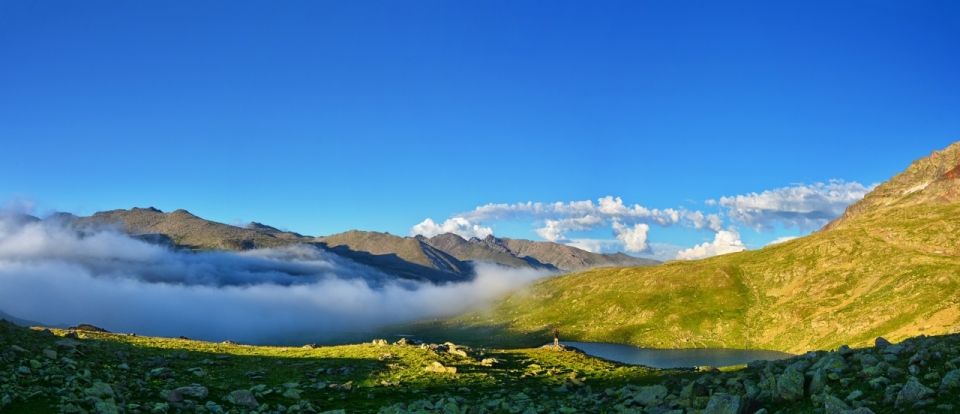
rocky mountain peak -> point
(931, 179)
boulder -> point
(243, 398)
(194, 391)
(650, 396)
(99, 390)
(790, 384)
(817, 383)
(439, 368)
(107, 406)
(880, 341)
(950, 381)
(912, 392)
(834, 405)
(722, 403)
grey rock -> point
(790, 384)
(817, 382)
(832, 363)
(194, 391)
(912, 392)
(893, 350)
(834, 405)
(950, 381)
(99, 390)
(721, 403)
(649, 396)
(868, 360)
(242, 398)
(880, 341)
(107, 406)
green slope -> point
(892, 269)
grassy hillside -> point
(99, 372)
(889, 269)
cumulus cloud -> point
(596, 245)
(725, 241)
(807, 207)
(456, 225)
(555, 220)
(55, 274)
(555, 230)
(634, 238)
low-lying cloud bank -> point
(54, 274)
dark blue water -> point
(675, 358)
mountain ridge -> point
(443, 258)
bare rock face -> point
(932, 179)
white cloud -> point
(554, 220)
(554, 230)
(634, 239)
(781, 240)
(53, 274)
(596, 245)
(807, 207)
(725, 241)
(456, 225)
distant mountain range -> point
(443, 258)
(890, 266)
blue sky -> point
(320, 117)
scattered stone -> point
(193, 391)
(107, 406)
(834, 405)
(18, 349)
(489, 362)
(722, 403)
(790, 384)
(912, 392)
(99, 390)
(950, 381)
(243, 398)
(438, 367)
(880, 341)
(650, 396)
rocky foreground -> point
(44, 371)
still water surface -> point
(675, 358)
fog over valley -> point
(55, 274)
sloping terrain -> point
(77, 371)
(476, 249)
(187, 230)
(568, 257)
(404, 256)
(522, 253)
(889, 267)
